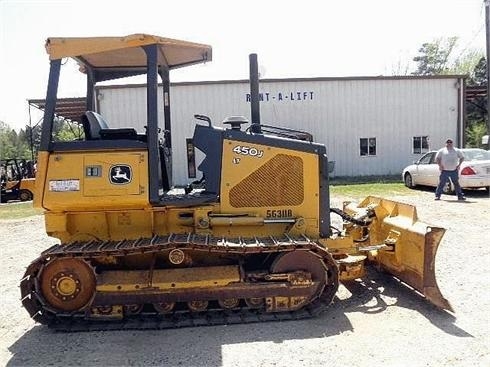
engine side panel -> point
(271, 182)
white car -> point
(474, 172)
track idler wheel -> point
(164, 307)
(133, 309)
(67, 284)
(255, 302)
(323, 271)
(229, 303)
(197, 306)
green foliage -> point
(33, 137)
(13, 144)
(474, 134)
(65, 130)
(25, 143)
(477, 70)
(470, 64)
(433, 58)
(355, 180)
(437, 57)
(476, 108)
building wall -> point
(337, 111)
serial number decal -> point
(250, 151)
(64, 185)
(279, 213)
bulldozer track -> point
(41, 312)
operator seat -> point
(92, 124)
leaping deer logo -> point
(120, 174)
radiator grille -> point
(279, 182)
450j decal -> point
(250, 151)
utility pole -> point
(487, 33)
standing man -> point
(449, 159)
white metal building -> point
(370, 125)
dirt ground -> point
(374, 322)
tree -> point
(474, 134)
(6, 146)
(437, 58)
(434, 57)
(33, 136)
(478, 73)
(474, 64)
(25, 143)
(476, 108)
(12, 144)
(66, 130)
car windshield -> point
(476, 154)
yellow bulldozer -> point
(253, 241)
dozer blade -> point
(411, 246)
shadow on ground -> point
(479, 193)
(368, 297)
(203, 345)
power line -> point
(476, 33)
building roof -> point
(68, 108)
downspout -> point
(461, 122)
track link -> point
(41, 312)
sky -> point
(302, 38)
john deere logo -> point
(120, 174)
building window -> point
(367, 146)
(420, 144)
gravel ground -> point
(374, 322)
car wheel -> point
(408, 180)
(448, 188)
(25, 195)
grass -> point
(370, 189)
(351, 180)
(18, 210)
(360, 187)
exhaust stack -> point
(254, 94)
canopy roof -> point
(127, 52)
